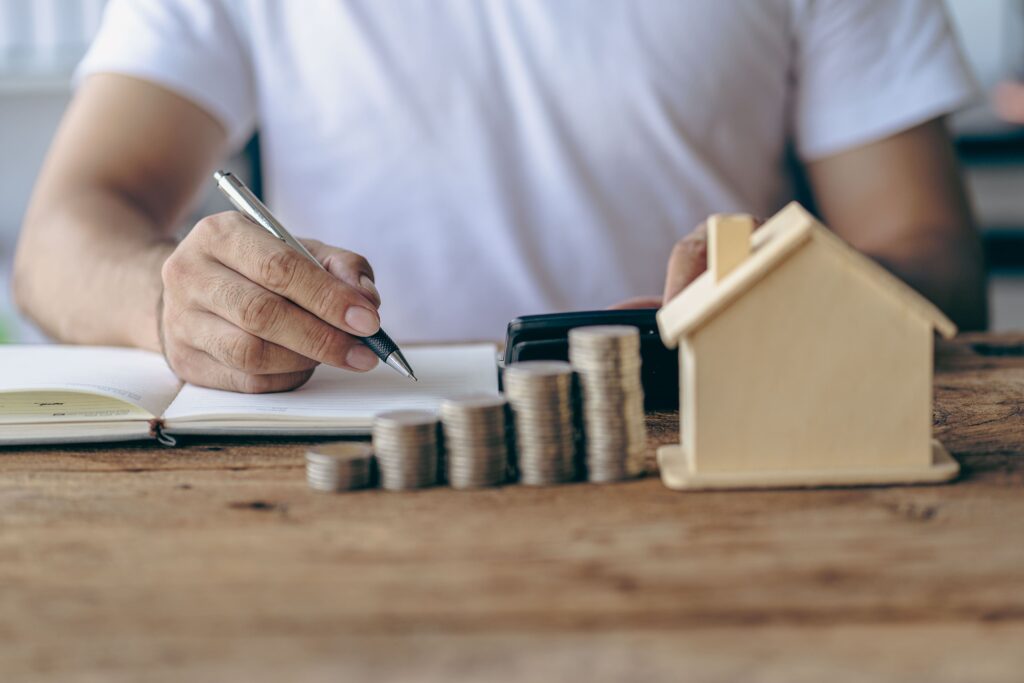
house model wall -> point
(802, 362)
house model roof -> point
(783, 235)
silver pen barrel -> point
(242, 198)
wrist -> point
(143, 324)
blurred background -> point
(42, 40)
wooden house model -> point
(802, 363)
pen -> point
(252, 208)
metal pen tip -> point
(397, 361)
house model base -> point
(676, 473)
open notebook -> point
(62, 394)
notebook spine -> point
(156, 430)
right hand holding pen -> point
(243, 311)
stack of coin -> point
(540, 394)
(475, 440)
(406, 445)
(607, 361)
(339, 466)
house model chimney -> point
(728, 242)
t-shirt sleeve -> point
(867, 69)
(194, 48)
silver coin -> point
(603, 335)
(539, 368)
(474, 403)
(339, 466)
(540, 394)
(405, 418)
(484, 421)
(608, 365)
(407, 449)
(475, 432)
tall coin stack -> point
(540, 394)
(607, 360)
(406, 445)
(339, 466)
(475, 440)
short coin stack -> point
(607, 360)
(475, 440)
(406, 445)
(540, 393)
(339, 466)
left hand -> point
(689, 258)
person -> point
(1008, 101)
(491, 158)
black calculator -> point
(546, 337)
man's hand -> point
(688, 260)
(243, 311)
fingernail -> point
(367, 284)
(361, 358)
(362, 320)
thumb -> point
(689, 259)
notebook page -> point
(138, 377)
(340, 396)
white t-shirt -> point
(493, 158)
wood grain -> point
(214, 562)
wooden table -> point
(215, 562)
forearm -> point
(87, 270)
(901, 201)
(952, 276)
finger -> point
(688, 260)
(198, 367)
(272, 264)
(275, 319)
(347, 266)
(234, 347)
(637, 302)
(1008, 100)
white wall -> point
(40, 41)
(27, 120)
(991, 33)
(985, 27)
